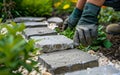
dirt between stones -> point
(114, 51)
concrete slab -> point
(103, 70)
(39, 31)
(29, 19)
(53, 43)
(67, 61)
(56, 20)
(35, 24)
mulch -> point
(114, 51)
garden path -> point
(58, 54)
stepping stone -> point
(53, 43)
(67, 61)
(29, 19)
(39, 31)
(35, 24)
(103, 70)
(56, 20)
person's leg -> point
(72, 20)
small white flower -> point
(52, 26)
(3, 31)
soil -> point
(114, 51)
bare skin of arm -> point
(96, 2)
(80, 4)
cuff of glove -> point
(74, 18)
(91, 9)
(89, 15)
(76, 12)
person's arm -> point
(86, 29)
(72, 20)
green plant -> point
(34, 7)
(108, 15)
(68, 32)
(100, 41)
(14, 49)
(7, 9)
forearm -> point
(80, 4)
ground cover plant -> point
(15, 50)
(105, 43)
(106, 16)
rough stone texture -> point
(53, 43)
(29, 19)
(39, 31)
(35, 24)
(67, 61)
(103, 70)
(56, 20)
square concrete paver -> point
(53, 43)
(103, 70)
(35, 24)
(39, 31)
(29, 19)
(67, 61)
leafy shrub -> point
(34, 7)
(14, 49)
(7, 9)
(100, 41)
(108, 15)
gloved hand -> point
(86, 29)
(72, 20)
(85, 34)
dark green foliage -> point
(16, 8)
(107, 44)
(108, 15)
(14, 49)
(100, 41)
(34, 7)
(7, 9)
(68, 32)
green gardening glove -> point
(86, 29)
(72, 20)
